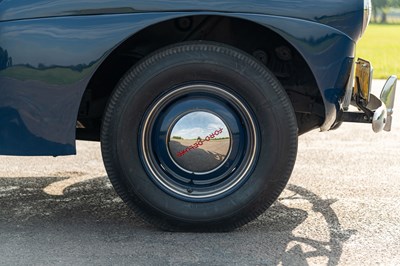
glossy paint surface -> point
(50, 62)
(342, 14)
(47, 62)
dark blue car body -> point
(52, 52)
(198, 105)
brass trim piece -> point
(363, 80)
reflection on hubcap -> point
(199, 142)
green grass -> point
(381, 46)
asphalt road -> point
(341, 206)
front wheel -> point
(199, 136)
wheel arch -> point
(264, 41)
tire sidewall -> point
(245, 78)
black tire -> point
(222, 82)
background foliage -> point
(381, 8)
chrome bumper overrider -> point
(382, 118)
(387, 97)
(376, 111)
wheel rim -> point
(199, 142)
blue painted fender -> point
(50, 61)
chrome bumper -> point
(382, 118)
(387, 97)
(376, 111)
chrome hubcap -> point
(199, 142)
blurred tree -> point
(383, 7)
(5, 60)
